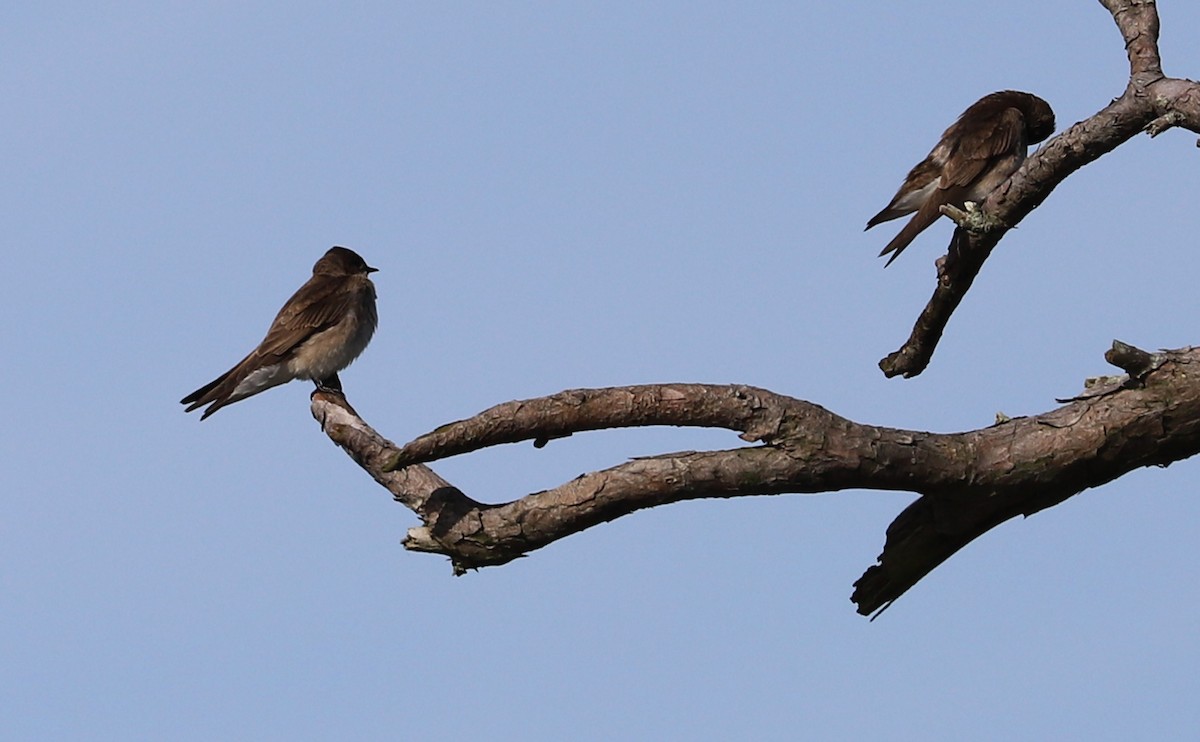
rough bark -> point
(969, 482)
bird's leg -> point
(330, 383)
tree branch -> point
(755, 413)
(969, 482)
(1151, 102)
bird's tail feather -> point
(217, 392)
(926, 215)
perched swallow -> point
(324, 326)
(976, 154)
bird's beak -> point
(372, 270)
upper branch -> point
(1150, 102)
(1008, 205)
(1137, 21)
(755, 413)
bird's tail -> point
(218, 392)
(926, 215)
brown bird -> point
(324, 326)
(979, 151)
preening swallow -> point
(979, 151)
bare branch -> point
(1009, 204)
(970, 482)
(1177, 103)
(1150, 102)
(411, 487)
(754, 412)
(1137, 21)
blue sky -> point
(560, 195)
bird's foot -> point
(972, 218)
(331, 384)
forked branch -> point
(969, 482)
